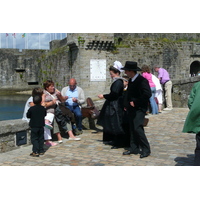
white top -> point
(27, 106)
(156, 81)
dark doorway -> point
(195, 68)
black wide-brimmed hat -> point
(131, 65)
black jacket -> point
(139, 92)
(36, 114)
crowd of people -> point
(132, 95)
(62, 114)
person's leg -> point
(134, 144)
(154, 106)
(168, 91)
(59, 137)
(197, 151)
(41, 140)
(70, 132)
(140, 134)
(47, 134)
(78, 116)
(47, 137)
(56, 130)
(34, 140)
(49, 120)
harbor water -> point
(12, 106)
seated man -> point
(74, 97)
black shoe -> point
(126, 148)
(34, 154)
(108, 142)
(143, 155)
(114, 147)
(130, 152)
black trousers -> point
(37, 139)
(138, 139)
(197, 151)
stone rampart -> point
(71, 57)
(181, 90)
(13, 134)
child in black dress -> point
(37, 114)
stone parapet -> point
(181, 90)
(13, 134)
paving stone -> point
(169, 146)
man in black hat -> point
(136, 103)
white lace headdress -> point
(118, 66)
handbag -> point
(90, 110)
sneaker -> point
(49, 126)
(54, 144)
(167, 109)
(76, 139)
(34, 154)
(51, 143)
(60, 141)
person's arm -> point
(63, 93)
(28, 114)
(116, 89)
(145, 92)
(60, 96)
(50, 103)
(81, 96)
(31, 104)
(160, 74)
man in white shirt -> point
(74, 98)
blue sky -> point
(30, 41)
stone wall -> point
(12, 132)
(174, 52)
(18, 69)
(181, 91)
(71, 57)
(8, 134)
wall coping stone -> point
(186, 80)
(12, 126)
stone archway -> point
(195, 68)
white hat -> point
(118, 66)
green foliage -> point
(21, 76)
(115, 51)
(48, 63)
(122, 46)
(81, 40)
(58, 51)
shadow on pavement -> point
(46, 147)
(185, 161)
(97, 130)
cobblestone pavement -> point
(169, 147)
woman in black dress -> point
(111, 115)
